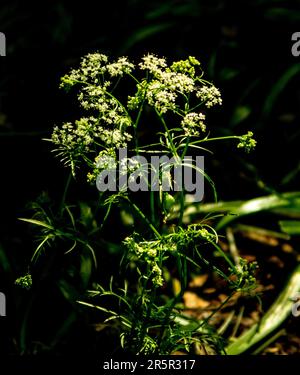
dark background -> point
(245, 49)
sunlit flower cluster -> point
(76, 137)
(176, 88)
(192, 123)
(105, 160)
(159, 97)
(166, 84)
(91, 67)
(210, 95)
(120, 67)
(155, 65)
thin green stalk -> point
(195, 107)
(148, 316)
(138, 309)
(135, 125)
(216, 139)
(63, 199)
(206, 320)
(270, 341)
(183, 277)
(172, 146)
(142, 215)
(182, 200)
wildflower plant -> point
(147, 107)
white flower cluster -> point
(114, 138)
(209, 95)
(110, 118)
(153, 64)
(94, 98)
(156, 94)
(192, 122)
(164, 88)
(133, 168)
(93, 68)
(162, 91)
(159, 97)
(178, 82)
(84, 133)
(166, 84)
(106, 159)
(109, 110)
(75, 137)
(121, 66)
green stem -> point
(142, 215)
(232, 265)
(182, 191)
(135, 125)
(183, 276)
(172, 146)
(148, 316)
(196, 106)
(133, 77)
(216, 139)
(63, 199)
(205, 321)
(120, 104)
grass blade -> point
(274, 317)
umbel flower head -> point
(193, 123)
(111, 118)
